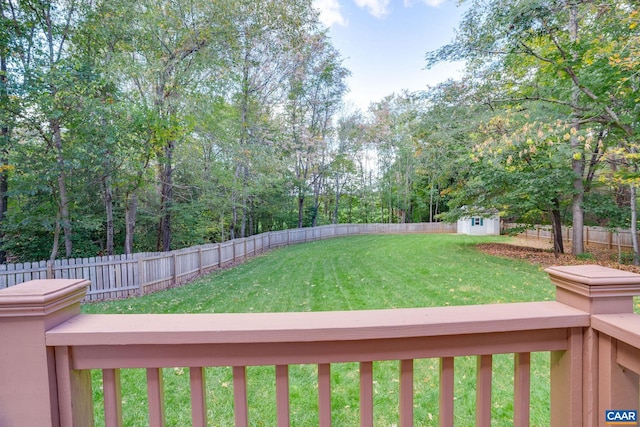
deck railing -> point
(593, 337)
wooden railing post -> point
(28, 384)
(579, 383)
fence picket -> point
(11, 278)
(42, 266)
(3, 276)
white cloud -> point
(377, 8)
(330, 12)
(431, 3)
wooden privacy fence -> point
(120, 276)
(592, 235)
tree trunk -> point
(4, 187)
(131, 209)
(166, 196)
(165, 162)
(556, 226)
(108, 205)
(336, 208)
(65, 219)
(634, 225)
(245, 132)
(245, 201)
(223, 235)
(250, 218)
(316, 200)
(577, 160)
(234, 203)
(431, 203)
(56, 239)
(300, 211)
(4, 153)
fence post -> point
(174, 273)
(577, 381)
(586, 233)
(610, 239)
(29, 391)
(233, 249)
(50, 270)
(141, 276)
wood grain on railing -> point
(198, 388)
(324, 394)
(240, 405)
(446, 391)
(112, 391)
(484, 377)
(522, 388)
(282, 395)
(366, 394)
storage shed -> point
(480, 225)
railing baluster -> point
(483, 390)
(240, 396)
(522, 389)
(366, 394)
(446, 391)
(282, 395)
(75, 402)
(155, 392)
(406, 393)
(197, 382)
(112, 397)
(324, 394)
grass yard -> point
(351, 273)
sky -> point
(384, 42)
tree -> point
(138, 118)
(161, 64)
(348, 142)
(452, 115)
(7, 36)
(547, 51)
(261, 54)
(528, 177)
(46, 76)
(315, 94)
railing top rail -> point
(624, 327)
(176, 329)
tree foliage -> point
(568, 66)
(161, 124)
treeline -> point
(155, 125)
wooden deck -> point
(590, 333)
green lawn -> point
(351, 273)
